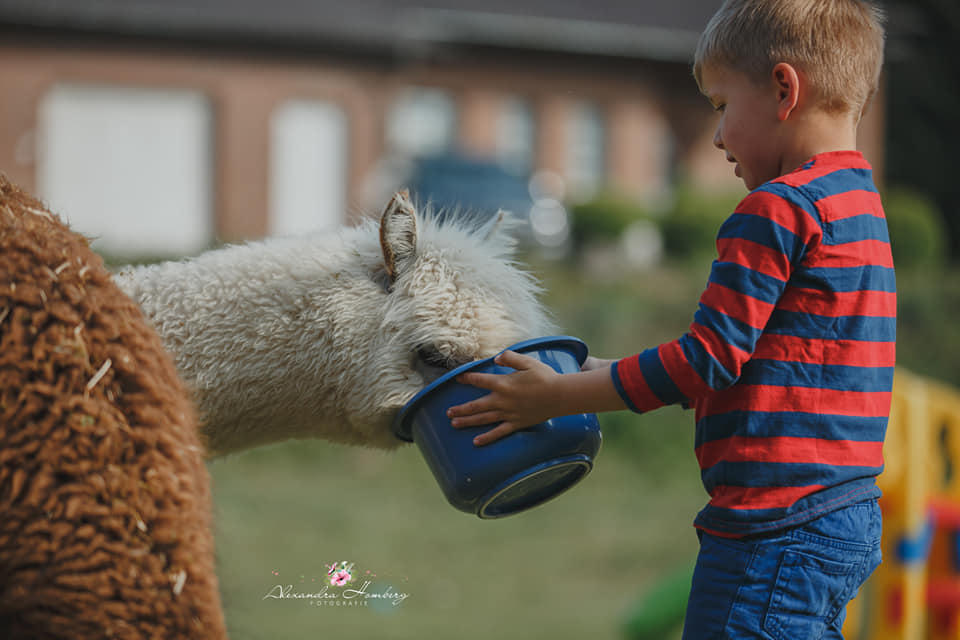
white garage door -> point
(308, 167)
(130, 167)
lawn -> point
(568, 569)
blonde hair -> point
(837, 44)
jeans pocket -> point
(810, 591)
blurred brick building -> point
(163, 125)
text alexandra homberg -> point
(326, 594)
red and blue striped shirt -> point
(789, 360)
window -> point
(308, 167)
(129, 167)
(422, 122)
(515, 136)
(586, 150)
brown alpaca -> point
(105, 519)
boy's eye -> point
(719, 107)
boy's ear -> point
(786, 80)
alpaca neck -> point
(252, 329)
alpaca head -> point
(454, 293)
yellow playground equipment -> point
(915, 594)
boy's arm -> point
(758, 246)
(532, 394)
(771, 232)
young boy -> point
(789, 360)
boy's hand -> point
(516, 400)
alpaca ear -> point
(398, 234)
(492, 226)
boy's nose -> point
(717, 140)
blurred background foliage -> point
(923, 90)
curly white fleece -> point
(309, 336)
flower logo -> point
(340, 574)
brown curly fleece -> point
(105, 525)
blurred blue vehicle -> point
(457, 185)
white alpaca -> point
(330, 335)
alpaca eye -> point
(431, 356)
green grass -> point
(570, 568)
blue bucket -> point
(517, 472)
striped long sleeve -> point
(789, 359)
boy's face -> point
(747, 130)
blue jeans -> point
(793, 584)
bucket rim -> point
(401, 423)
(580, 462)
